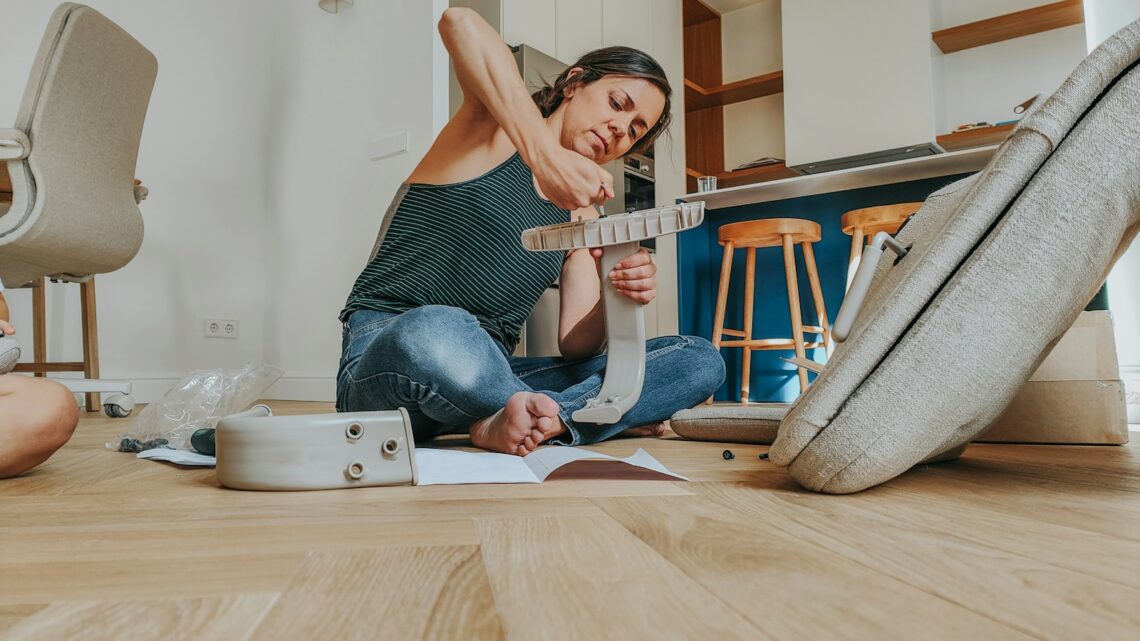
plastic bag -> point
(198, 401)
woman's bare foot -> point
(527, 420)
(653, 429)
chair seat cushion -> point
(999, 266)
(752, 423)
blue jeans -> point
(440, 365)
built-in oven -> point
(634, 186)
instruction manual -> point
(454, 467)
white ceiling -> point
(724, 6)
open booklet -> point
(453, 467)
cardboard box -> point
(1087, 352)
(1075, 397)
(1063, 412)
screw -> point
(763, 456)
(728, 455)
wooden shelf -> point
(696, 12)
(746, 176)
(1011, 25)
(698, 97)
(974, 137)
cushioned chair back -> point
(73, 210)
(1000, 265)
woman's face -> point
(605, 118)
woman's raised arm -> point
(491, 85)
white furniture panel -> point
(857, 77)
(530, 22)
(628, 23)
(579, 28)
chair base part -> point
(257, 451)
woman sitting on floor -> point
(432, 320)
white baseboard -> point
(303, 388)
(143, 390)
(287, 388)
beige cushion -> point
(73, 210)
(1000, 266)
(752, 423)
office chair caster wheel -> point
(119, 405)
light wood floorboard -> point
(210, 619)
(1011, 542)
(589, 577)
(436, 592)
(977, 576)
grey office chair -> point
(73, 209)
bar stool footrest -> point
(769, 343)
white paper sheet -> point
(453, 467)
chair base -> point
(118, 404)
(258, 451)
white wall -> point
(369, 72)
(264, 203)
(751, 45)
(1105, 17)
(1102, 19)
(203, 157)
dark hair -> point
(610, 61)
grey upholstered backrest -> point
(73, 211)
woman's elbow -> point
(453, 18)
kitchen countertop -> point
(955, 162)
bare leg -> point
(39, 417)
(527, 419)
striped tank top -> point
(458, 245)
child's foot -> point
(653, 429)
(527, 419)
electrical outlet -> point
(220, 328)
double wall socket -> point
(220, 328)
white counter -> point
(956, 162)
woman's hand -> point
(634, 276)
(6, 328)
(569, 179)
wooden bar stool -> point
(774, 232)
(862, 225)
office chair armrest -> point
(14, 144)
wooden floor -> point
(1011, 542)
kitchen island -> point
(823, 198)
